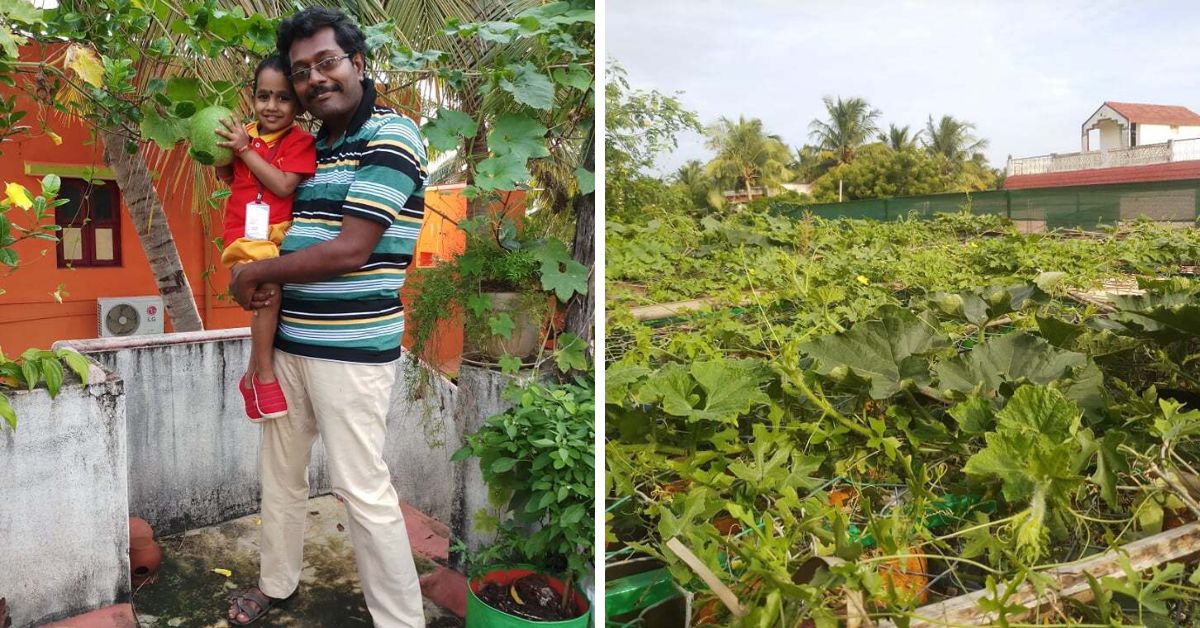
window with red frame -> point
(91, 224)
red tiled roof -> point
(1131, 174)
(1156, 114)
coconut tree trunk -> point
(146, 212)
(581, 311)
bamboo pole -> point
(1071, 581)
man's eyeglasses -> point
(322, 66)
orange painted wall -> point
(29, 315)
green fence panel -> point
(1035, 209)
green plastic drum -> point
(480, 615)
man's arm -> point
(344, 254)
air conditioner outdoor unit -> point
(129, 316)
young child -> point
(271, 156)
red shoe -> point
(252, 412)
(269, 399)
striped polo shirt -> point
(376, 171)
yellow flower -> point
(223, 572)
(863, 280)
(54, 137)
(18, 195)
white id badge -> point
(258, 218)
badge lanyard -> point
(258, 213)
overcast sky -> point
(1028, 74)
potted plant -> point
(505, 283)
(537, 461)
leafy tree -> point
(639, 126)
(879, 172)
(953, 139)
(899, 138)
(698, 185)
(747, 156)
(851, 124)
(811, 162)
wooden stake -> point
(1071, 582)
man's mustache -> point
(317, 91)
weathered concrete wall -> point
(193, 456)
(478, 398)
(64, 527)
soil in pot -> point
(529, 597)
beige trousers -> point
(347, 405)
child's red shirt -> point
(297, 153)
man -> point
(355, 224)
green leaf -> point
(501, 173)
(503, 464)
(570, 352)
(573, 514)
(1109, 464)
(166, 132)
(21, 11)
(1032, 446)
(183, 109)
(446, 131)
(10, 43)
(574, 75)
(478, 304)
(462, 454)
(410, 61)
(1058, 332)
(50, 185)
(887, 352)
(617, 379)
(183, 88)
(76, 362)
(586, 180)
(561, 274)
(729, 390)
(509, 364)
(53, 371)
(7, 413)
(974, 415)
(380, 35)
(518, 135)
(501, 324)
(30, 373)
(994, 368)
(528, 86)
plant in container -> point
(506, 284)
(537, 461)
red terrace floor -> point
(189, 593)
(1179, 170)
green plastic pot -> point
(480, 615)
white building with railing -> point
(1146, 138)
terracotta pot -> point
(526, 331)
(144, 554)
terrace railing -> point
(1149, 154)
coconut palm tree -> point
(899, 138)
(953, 139)
(696, 182)
(747, 155)
(851, 124)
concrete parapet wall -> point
(64, 528)
(193, 455)
(478, 398)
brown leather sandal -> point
(244, 603)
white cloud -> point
(1026, 73)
